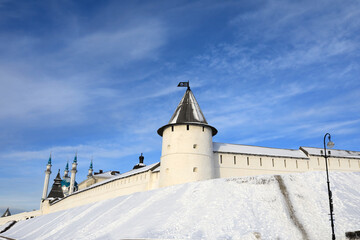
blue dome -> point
(66, 182)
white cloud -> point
(23, 97)
(123, 45)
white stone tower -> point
(187, 148)
(47, 178)
(73, 174)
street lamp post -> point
(330, 144)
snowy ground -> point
(263, 207)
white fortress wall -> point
(338, 160)
(118, 186)
(20, 216)
(335, 164)
(233, 160)
(154, 182)
(236, 164)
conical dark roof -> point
(56, 191)
(188, 112)
(6, 213)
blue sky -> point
(100, 77)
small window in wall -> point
(359, 163)
(349, 163)
(284, 162)
(195, 169)
(247, 159)
(339, 162)
(273, 164)
(234, 160)
(308, 164)
(328, 161)
(187, 127)
(220, 159)
(172, 128)
(203, 128)
(318, 161)
(297, 166)
(260, 162)
(194, 145)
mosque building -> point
(188, 154)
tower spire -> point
(187, 112)
(75, 158)
(49, 162)
(90, 172)
(66, 171)
(56, 191)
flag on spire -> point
(184, 84)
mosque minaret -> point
(73, 174)
(47, 178)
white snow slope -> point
(262, 207)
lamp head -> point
(330, 144)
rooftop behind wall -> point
(255, 150)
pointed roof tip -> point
(56, 191)
(188, 112)
(58, 175)
(49, 162)
(67, 166)
(6, 213)
(75, 158)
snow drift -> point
(262, 207)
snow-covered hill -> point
(263, 207)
